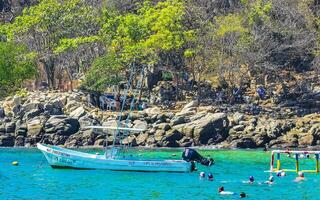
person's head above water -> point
(271, 179)
(251, 178)
(210, 177)
(242, 195)
(221, 189)
(300, 174)
(202, 174)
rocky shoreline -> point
(59, 119)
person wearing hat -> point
(270, 181)
(300, 177)
(222, 192)
(210, 177)
(251, 179)
(202, 175)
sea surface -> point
(35, 179)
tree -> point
(53, 26)
(16, 66)
(152, 35)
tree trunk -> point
(50, 71)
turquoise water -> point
(35, 179)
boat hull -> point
(64, 158)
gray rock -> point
(142, 138)
(21, 129)
(173, 135)
(99, 142)
(213, 126)
(19, 141)
(6, 140)
(130, 140)
(32, 114)
(243, 143)
(164, 126)
(237, 117)
(178, 120)
(35, 127)
(10, 127)
(159, 135)
(88, 120)
(192, 104)
(138, 124)
(238, 128)
(78, 113)
(62, 125)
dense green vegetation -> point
(227, 38)
(16, 65)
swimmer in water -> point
(202, 175)
(242, 195)
(300, 177)
(210, 177)
(281, 173)
(270, 181)
(222, 192)
(251, 179)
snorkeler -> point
(300, 177)
(202, 175)
(270, 181)
(210, 177)
(222, 192)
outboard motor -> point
(191, 155)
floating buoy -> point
(15, 163)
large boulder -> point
(27, 107)
(53, 108)
(142, 138)
(35, 127)
(78, 113)
(138, 124)
(62, 125)
(178, 120)
(173, 135)
(211, 126)
(32, 113)
(88, 120)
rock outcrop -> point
(62, 118)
